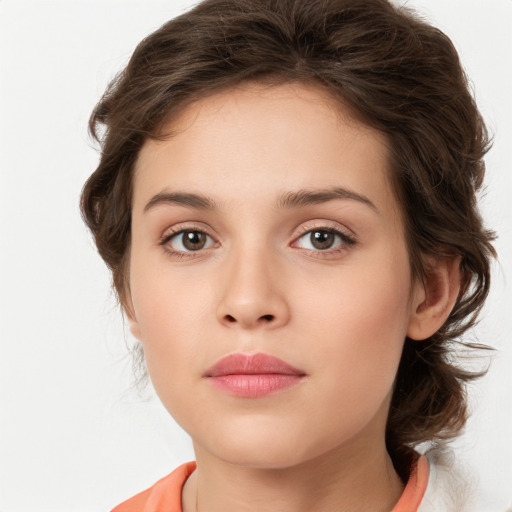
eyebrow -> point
(309, 197)
(197, 201)
(288, 200)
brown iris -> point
(322, 239)
(193, 240)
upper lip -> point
(251, 364)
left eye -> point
(190, 240)
(323, 239)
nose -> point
(252, 293)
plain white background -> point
(73, 436)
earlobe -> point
(134, 328)
(434, 298)
(132, 320)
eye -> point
(189, 240)
(323, 239)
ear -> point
(127, 305)
(433, 299)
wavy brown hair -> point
(398, 74)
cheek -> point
(361, 318)
(167, 314)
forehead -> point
(255, 140)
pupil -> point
(322, 239)
(194, 240)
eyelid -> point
(185, 226)
(322, 224)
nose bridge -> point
(252, 292)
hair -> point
(399, 75)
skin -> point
(259, 284)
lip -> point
(253, 375)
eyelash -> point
(346, 241)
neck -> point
(357, 479)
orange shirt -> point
(165, 495)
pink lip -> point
(252, 375)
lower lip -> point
(254, 386)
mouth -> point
(252, 375)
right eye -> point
(189, 240)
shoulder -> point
(451, 487)
(163, 496)
(437, 483)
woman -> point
(286, 199)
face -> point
(267, 225)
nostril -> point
(263, 318)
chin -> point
(258, 449)
(263, 458)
